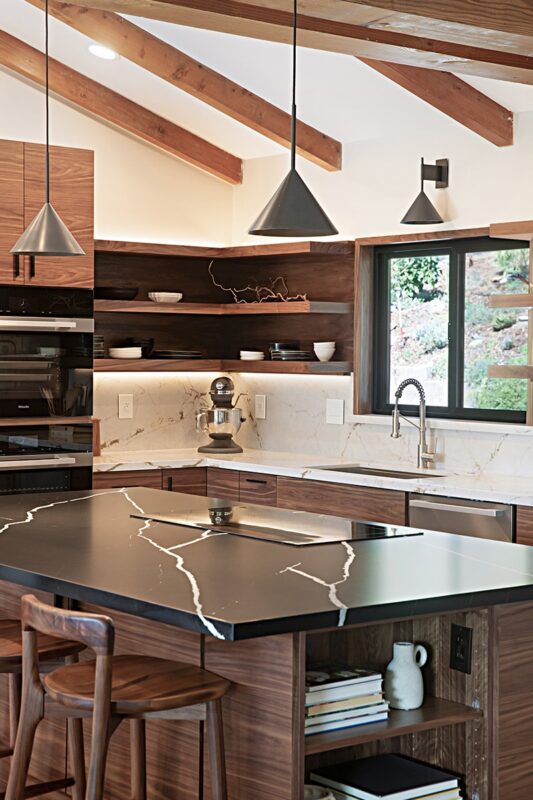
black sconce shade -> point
(422, 211)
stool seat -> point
(49, 648)
(140, 684)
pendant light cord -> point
(47, 169)
(293, 119)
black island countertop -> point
(88, 546)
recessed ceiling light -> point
(102, 52)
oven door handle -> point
(45, 324)
(457, 509)
(60, 461)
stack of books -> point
(388, 777)
(341, 697)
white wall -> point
(141, 193)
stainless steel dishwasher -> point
(466, 517)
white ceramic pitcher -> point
(404, 684)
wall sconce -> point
(423, 212)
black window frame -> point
(457, 250)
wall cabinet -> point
(359, 502)
(22, 187)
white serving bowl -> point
(165, 297)
(324, 350)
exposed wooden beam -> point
(118, 110)
(191, 76)
(454, 97)
(366, 31)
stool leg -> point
(138, 758)
(30, 716)
(217, 761)
(15, 690)
(77, 757)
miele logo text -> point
(19, 406)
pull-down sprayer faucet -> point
(425, 456)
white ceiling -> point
(337, 94)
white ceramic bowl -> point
(324, 350)
(165, 297)
(324, 344)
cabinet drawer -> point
(189, 480)
(524, 525)
(150, 478)
(365, 503)
(223, 483)
(254, 487)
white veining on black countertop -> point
(332, 594)
(180, 563)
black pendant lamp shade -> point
(47, 234)
(293, 211)
(422, 211)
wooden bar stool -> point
(50, 651)
(109, 689)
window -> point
(432, 322)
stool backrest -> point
(95, 631)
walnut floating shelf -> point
(520, 371)
(221, 309)
(511, 301)
(222, 365)
(433, 714)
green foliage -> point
(501, 394)
(512, 262)
(432, 337)
(415, 278)
(503, 321)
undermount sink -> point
(381, 473)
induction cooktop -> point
(275, 525)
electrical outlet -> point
(461, 649)
(260, 406)
(334, 412)
(125, 406)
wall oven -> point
(46, 352)
(45, 458)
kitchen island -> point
(257, 611)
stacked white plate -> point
(125, 352)
(252, 355)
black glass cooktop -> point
(275, 525)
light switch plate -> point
(334, 412)
(125, 406)
(260, 406)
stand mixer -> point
(223, 421)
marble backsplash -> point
(165, 408)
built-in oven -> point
(45, 458)
(46, 352)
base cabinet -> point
(361, 502)
(524, 525)
(150, 478)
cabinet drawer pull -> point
(256, 480)
(16, 266)
(169, 484)
(32, 266)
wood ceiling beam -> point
(454, 97)
(363, 30)
(118, 110)
(184, 72)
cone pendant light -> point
(293, 211)
(422, 211)
(47, 234)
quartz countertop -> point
(493, 488)
(87, 546)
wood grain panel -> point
(364, 503)
(363, 329)
(72, 195)
(263, 721)
(222, 483)
(190, 480)
(255, 487)
(197, 79)
(151, 478)
(173, 748)
(11, 208)
(242, 251)
(524, 524)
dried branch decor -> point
(277, 291)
